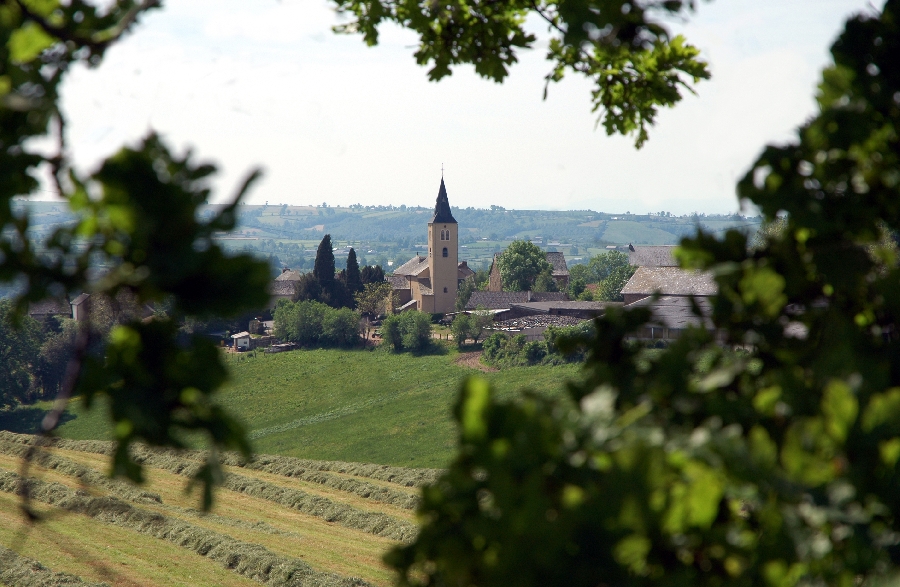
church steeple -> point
(442, 212)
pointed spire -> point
(442, 207)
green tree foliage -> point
(371, 274)
(610, 271)
(545, 282)
(19, 349)
(460, 328)
(464, 292)
(311, 323)
(520, 265)
(610, 289)
(353, 278)
(56, 351)
(324, 267)
(376, 299)
(623, 48)
(471, 326)
(775, 464)
(407, 331)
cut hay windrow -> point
(375, 523)
(281, 465)
(19, 571)
(322, 472)
(83, 474)
(249, 560)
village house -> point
(674, 296)
(668, 281)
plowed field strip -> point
(77, 544)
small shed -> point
(241, 341)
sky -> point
(266, 83)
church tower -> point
(443, 253)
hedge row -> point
(18, 571)
(246, 559)
(371, 522)
(85, 475)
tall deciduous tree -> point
(765, 452)
(520, 265)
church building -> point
(429, 284)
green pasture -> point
(348, 405)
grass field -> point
(278, 521)
(362, 406)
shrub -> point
(390, 332)
(340, 327)
(416, 330)
(493, 345)
(410, 331)
(313, 323)
(534, 352)
(460, 328)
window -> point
(445, 290)
(445, 252)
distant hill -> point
(288, 235)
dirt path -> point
(473, 361)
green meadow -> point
(347, 405)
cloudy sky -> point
(330, 120)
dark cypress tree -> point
(372, 274)
(352, 276)
(324, 267)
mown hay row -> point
(102, 447)
(85, 475)
(397, 475)
(403, 476)
(287, 467)
(19, 571)
(249, 560)
(375, 523)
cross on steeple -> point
(442, 171)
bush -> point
(340, 327)
(534, 352)
(416, 330)
(390, 332)
(460, 328)
(410, 331)
(309, 323)
(493, 345)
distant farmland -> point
(276, 521)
